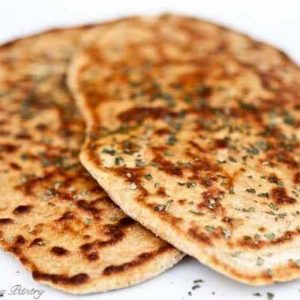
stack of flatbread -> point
(188, 138)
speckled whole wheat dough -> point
(53, 216)
(193, 130)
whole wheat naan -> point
(194, 132)
(53, 216)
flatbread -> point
(53, 216)
(194, 132)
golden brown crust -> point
(53, 217)
(198, 127)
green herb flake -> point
(262, 145)
(148, 176)
(259, 261)
(190, 184)
(231, 191)
(119, 160)
(282, 215)
(210, 228)
(263, 195)
(288, 119)
(251, 191)
(270, 296)
(232, 159)
(252, 150)
(109, 151)
(171, 140)
(87, 221)
(273, 206)
(198, 213)
(187, 99)
(196, 286)
(163, 207)
(249, 209)
(129, 147)
(139, 162)
(270, 236)
(198, 281)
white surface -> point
(277, 22)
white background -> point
(277, 22)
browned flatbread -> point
(53, 216)
(194, 132)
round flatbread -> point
(53, 216)
(194, 132)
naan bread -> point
(194, 132)
(53, 216)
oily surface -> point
(53, 216)
(198, 127)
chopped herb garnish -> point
(188, 99)
(87, 221)
(45, 160)
(210, 228)
(273, 178)
(288, 119)
(168, 98)
(252, 150)
(148, 176)
(198, 281)
(198, 213)
(163, 207)
(171, 140)
(232, 159)
(270, 236)
(119, 160)
(231, 191)
(257, 236)
(109, 151)
(139, 162)
(263, 195)
(273, 206)
(282, 215)
(129, 147)
(252, 191)
(250, 209)
(190, 184)
(259, 261)
(262, 145)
